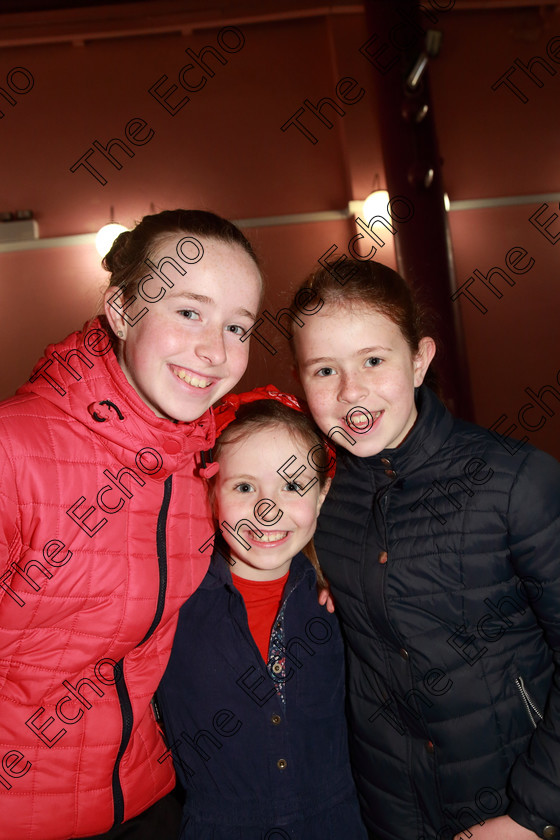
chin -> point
(363, 449)
(180, 413)
(190, 416)
(190, 409)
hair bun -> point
(115, 258)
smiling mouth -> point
(268, 537)
(360, 421)
(191, 378)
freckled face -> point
(350, 358)
(185, 352)
(249, 487)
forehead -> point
(189, 250)
(340, 328)
(200, 263)
(260, 448)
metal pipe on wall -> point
(412, 168)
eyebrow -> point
(373, 350)
(360, 352)
(208, 300)
(240, 477)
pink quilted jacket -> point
(105, 531)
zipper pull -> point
(155, 707)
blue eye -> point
(244, 487)
(236, 329)
(293, 486)
(189, 314)
(375, 361)
(326, 371)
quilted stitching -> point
(73, 602)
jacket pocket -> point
(531, 707)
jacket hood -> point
(81, 377)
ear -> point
(421, 362)
(322, 495)
(116, 320)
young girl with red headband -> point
(441, 543)
(253, 695)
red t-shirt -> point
(262, 600)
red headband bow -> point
(226, 412)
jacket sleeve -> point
(10, 539)
(534, 533)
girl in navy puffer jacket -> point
(253, 696)
(441, 543)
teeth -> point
(195, 381)
(360, 420)
(267, 537)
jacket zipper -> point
(122, 690)
(382, 501)
(528, 702)
(127, 717)
(161, 543)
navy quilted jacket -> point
(443, 557)
(262, 750)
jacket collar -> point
(432, 427)
(82, 377)
(219, 573)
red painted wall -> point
(224, 150)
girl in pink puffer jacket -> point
(106, 527)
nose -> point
(351, 390)
(211, 347)
(268, 511)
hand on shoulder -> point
(498, 828)
(325, 597)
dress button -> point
(281, 763)
(550, 831)
(382, 557)
(172, 447)
(385, 462)
(275, 719)
(391, 473)
(404, 653)
(429, 745)
(277, 667)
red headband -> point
(226, 412)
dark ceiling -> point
(18, 6)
